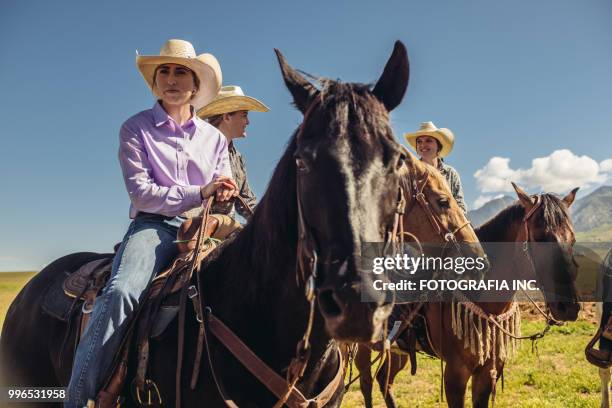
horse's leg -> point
(397, 363)
(456, 376)
(482, 384)
(604, 376)
(362, 362)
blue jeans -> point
(147, 249)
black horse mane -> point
(555, 216)
(268, 242)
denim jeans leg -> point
(147, 248)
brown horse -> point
(533, 219)
(325, 198)
(434, 218)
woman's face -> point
(174, 84)
(427, 147)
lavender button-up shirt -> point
(165, 164)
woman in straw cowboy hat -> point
(172, 161)
(432, 144)
(229, 112)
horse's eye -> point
(400, 161)
(444, 203)
(301, 164)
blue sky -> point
(514, 80)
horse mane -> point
(267, 239)
(555, 216)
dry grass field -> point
(10, 284)
(555, 374)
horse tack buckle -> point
(449, 236)
(149, 385)
(192, 293)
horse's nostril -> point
(328, 304)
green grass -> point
(603, 233)
(10, 284)
(556, 376)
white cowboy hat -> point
(231, 99)
(442, 135)
(181, 52)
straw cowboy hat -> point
(231, 99)
(442, 135)
(181, 52)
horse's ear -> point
(526, 200)
(570, 197)
(302, 91)
(392, 84)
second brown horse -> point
(543, 218)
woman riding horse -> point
(157, 148)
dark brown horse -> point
(338, 178)
(532, 220)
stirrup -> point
(599, 358)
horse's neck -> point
(256, 295)
(503, 265)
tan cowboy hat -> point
(231, 99)
(181, 52)
(442, 135)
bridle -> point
(306, 270)
(415, 188)
(525, 239)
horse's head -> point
(547, 222)
(347, 164)
(433, 216)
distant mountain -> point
(591, 215)
(594, 210)
(487, 211)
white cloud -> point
(606, 166)
(495, 175)
(559, 172)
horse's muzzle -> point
(351, 314)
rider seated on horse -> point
(432, 144)
(172, 162)
(229, 112)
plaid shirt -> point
(454, 182)
(239, 175)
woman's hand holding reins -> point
(224, 187)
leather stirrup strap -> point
(181, 345)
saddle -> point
(81, 288)
(600, 357)
(86, 281)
